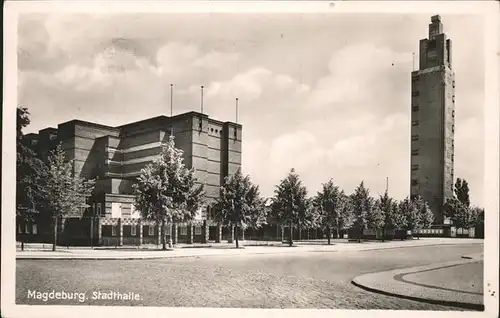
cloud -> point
(328, 97)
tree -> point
(239, 204)
(361, 207)
(290, 202)
(167, 191)
(409, 210)
(329, 207)
(462, 191)
(461, 215)
(386, 206)
(375, 218)
(65, 194)
(29, 174)
(425, 214)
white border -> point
(489, 11)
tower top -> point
(436, 27)
(436, 18)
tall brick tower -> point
(433, 121)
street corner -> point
(455, 283)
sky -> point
(325, 94)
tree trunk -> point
(290, 241)
(236, 236)
(338, 229)
(329, 234)
(360, 233)
(300, 231)
(55, 235)
(383, 233)
(22, 244)
(163, 242)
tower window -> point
(415, 108)
(414, 167)
(415, 93)
(415, 123)
(235, 134)
(414, 137)
(414, 152)
(200, 125)
(414, 182)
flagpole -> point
(171, 108)
(202, 99)
(237, 109)
(171, 99)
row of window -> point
(28, 229)
(215, 130)
(151, 230)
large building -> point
(433, 121)
(114, 157)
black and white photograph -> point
(340, 156)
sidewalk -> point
(223, 249)
(454, 283)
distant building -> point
(433, 121)
(114, 156)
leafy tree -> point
(461, 215)
(409, 210)
(239, 204)
(375, 218)
(64, 194)
(290, 202)
(166, 190)
(29, 174)
(462, 191)
(361, 207)
(328, 203)
(386, 206)
(425, 215)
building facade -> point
(433, 121)
(114, 157)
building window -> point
(200, 125)
(235, 134)
(151, 230)
(168, 230)
(415, 123)
(414, 167)
(414, 152)
(26, 228)
(133, 231)
(414, 182)
(415, 108)
(184, 230)
(113, 230)
(414, 137)
(34, 229)
(211, 129)
(98, 208)
(197, 230)
(19, 229)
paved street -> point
(314, 279)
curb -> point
(464, 305)
(304, 249)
